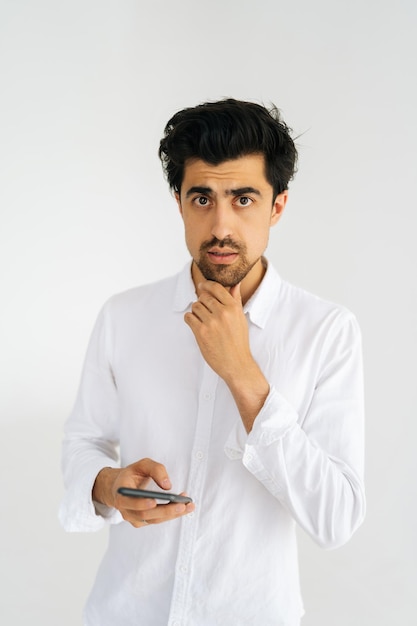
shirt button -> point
(199, 455)
(207, 396)
(183, 569)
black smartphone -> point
(156, 495)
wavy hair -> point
(228, 129)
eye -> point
(244, 201)
(202, 201)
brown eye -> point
(244, 201)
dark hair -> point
(228, 129)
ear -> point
(178, 199)
(279, 206)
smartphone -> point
(156, 495)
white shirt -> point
(147, 391)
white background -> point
(85, 90)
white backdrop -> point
(85, 90)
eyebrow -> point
(206, 191)
(241, 191)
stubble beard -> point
(226, 275)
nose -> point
(222, 221)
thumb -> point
(235, 293)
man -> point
(224, 382)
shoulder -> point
(148, 297)
(311, 324)
(298, 296)
(301, 307)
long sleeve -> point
(146, 391)
(313, 463)
(91, 437)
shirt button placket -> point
(181, 600)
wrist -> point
(103, 486)
(250, 390)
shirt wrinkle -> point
(146, 391)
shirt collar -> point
(185, 290)
(258, 307)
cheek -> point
(257, 238)
(192, 237)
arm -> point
(90, 462)
(91, 438)
(313, 464)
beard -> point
(226, 275)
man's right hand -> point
(137, 511)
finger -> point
(136, 523)
(211, 303)
(142, 523)
(132, 505)
(162, 513)
(141, 520)
(200, 311)
(154, 470)
(167, 512)
(192, 321)
(235, 293)
(214, 289)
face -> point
(228, 210)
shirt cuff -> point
(273, 421)
(78, 512)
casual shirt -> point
(146, 391)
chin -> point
(225, 275)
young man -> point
(225, 382)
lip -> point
(222, 257)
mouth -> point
(222, 257)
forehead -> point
(247, 170)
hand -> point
(220, 328)
(137, 511)
(221, 331)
